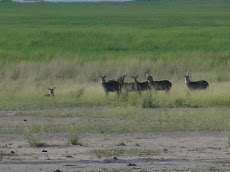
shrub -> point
(74, 138)
(33, 138)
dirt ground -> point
(169, 151)
(175, 151)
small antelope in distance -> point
(140, 86)
(159, 85)
(110, 86)
(198, 85)
(51, 91)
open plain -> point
(102, 151)
(76, 127)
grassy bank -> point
(68, 45)
(123, 120)
(70, 94)
(23, 85)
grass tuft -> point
(74, 138)
(148, 101)
(181, 102)
(34, 139)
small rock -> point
(131, 164)
(57, 170)
(12, 152)
(44, 150)
(165, 150)
(121, 144)
(115, 158)
(69, 165)
(69, 156)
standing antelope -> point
(140, 86)
(125, 86)
(110, 86)
(158, 85)
(51, 91)
(198, 85)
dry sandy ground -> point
(175, 151)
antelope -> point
(140, 86)
(51, 91)
(126, 86)
(198, 85)
(110, 86)
(158, 85)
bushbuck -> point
(158, 85)
(197, 85)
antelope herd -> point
(119, 84)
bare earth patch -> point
(171, 151)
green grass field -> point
(166, 30)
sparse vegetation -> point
(148, 101)
(127, 120)
(33, 138)
(212, 168)
(74, 138)
(181, 102)
(121, 152)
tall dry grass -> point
(24, 84)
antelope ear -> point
(124, 75)
(146, 74)
(48, 88)
(137, 76)
(189, 75)
(54, 88)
